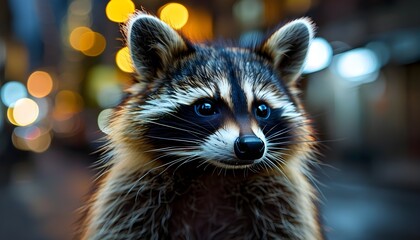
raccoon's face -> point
(228, 107)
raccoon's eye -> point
(205, 108)
(262, 111)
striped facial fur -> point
(226, 107)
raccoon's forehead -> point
(236, 76)
(221, 73)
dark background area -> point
(364, 101)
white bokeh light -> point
(319, 56)
(356, 65)
(103, 120)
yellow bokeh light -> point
(25, 112)
(98, 44)
(75, 38)
(86, 41)
(39, 84)
(123, 60)
(174, 14)
(119, 10)
(10, 116)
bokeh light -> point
(298, 6)
(355, 64)
(12, 91)
(319, 56)
(80, 7)
(31, 138)
(28, 133)
(98, 43)
(381, 50)
(109, 96)
(119, 10)
(44, 105)
(199, 27)
(67, 127)
(10, 116)
(1, 117)
(87, 41)
(103, 120)
(174, 14)
(124, 61)
(25, 111)
(40, 84)
(249, 12)
(103, 86)
(67, 103)
(17, 61)
(75, 39)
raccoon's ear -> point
(153, 45)
(287, 47)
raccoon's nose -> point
(249, 147)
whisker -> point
(279, 137)
(187, 160)
(192, 132)
(190, 122)
(274, 160)
(284, 131)
(175, 148)
(174, 139)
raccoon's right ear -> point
(153, 45)
(288, 46)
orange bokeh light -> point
(39, 84)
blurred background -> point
(63, 64)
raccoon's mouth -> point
(235, 164)
(239, 162)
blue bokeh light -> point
(12, 91)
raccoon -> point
(211, 142)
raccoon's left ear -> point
(287, 47)
(153, 45)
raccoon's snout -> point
(249, 147)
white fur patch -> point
(169, 103)
(225, 91)
(219, 147)
(249, 93)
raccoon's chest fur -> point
(207, 206)
(233, 207)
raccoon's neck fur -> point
(157, 204)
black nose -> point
(249, 147)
